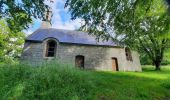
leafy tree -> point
(16, 15)
(10, 43)
(137, 23)
(19, 13)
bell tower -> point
(46, 22)
(48, 15)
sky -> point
(61, 19)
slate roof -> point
(67, 36)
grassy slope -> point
(60, 82)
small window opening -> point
(51, 48)
(128, 54)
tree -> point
(19, 13)
(136, 23)
(10, 43)
(16, 15)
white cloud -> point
(69, 25)
(57, 21)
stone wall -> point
(96, 57)
(32, 53)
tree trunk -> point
(157, 66)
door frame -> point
(83, 58)
(117, 67)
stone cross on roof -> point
(47, 17)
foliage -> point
(144, 59)
(19, 13)
(63, 82)
(140, 24)
(166, 60)
(16, 15)
(10, 43)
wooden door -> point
(115, 64)
(79, 61)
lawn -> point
(61, 82)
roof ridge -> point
(65, 30)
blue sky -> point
(60, 20)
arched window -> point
(79, 61)
(51, 48)
(128, 54)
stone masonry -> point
(96, 57)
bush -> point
(145, 60)
(165, 62)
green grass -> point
(62, 82)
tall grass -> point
(55, 81)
